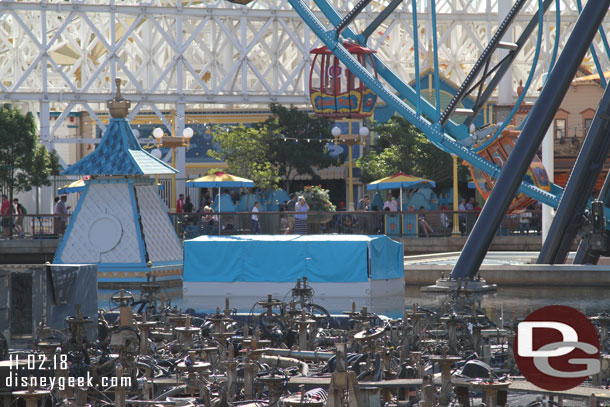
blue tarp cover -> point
(284, 258)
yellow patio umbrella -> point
(400, 180)
(220, 179)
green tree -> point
(401, 147)
(24, 163)
(297, 143)
(246, 151)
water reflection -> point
(507, 304)
(169, 296)
(511, 303)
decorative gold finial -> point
(118, 95)
(119, 107)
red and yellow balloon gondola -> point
(334, 91)
(498, 152)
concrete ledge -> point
(27, 251)
(519, 275)
(420, 245)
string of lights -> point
(310, 140)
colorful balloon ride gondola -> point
(334, 91)
(497, 152)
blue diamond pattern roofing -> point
(119, 153)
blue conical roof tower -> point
(119, 152)
(120, 222)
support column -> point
(180, 116)
(446, 387)
(180, 151)
(44, 202)
(548, 161)
(531, 137)
(505, 87)
(45, 123)
(113, 43)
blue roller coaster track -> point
(437, 125)
(449, 136)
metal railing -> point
(190, 225)
(39, 226)
(406, 223)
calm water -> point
(513, 303)
(510, 303)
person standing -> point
(525, 219)
(300, 219)
(424, 226)
(283, 218)
(180, 204)
(188, 205)
(363, 204)
(462, 216)
(470, 204)
(446, 223)
(391, 203)
(363, 220)
(204, 201)
(61, 210)
(6, 216)
(290, 205)
(471, 216)
(19, 210)
(255, 228)
(56, 218)
(462, 205)
(187, 209)
(179, 219)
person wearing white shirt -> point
(391, 203)
(300, 220)
(255, 229)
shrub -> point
(317, 198)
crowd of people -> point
(441, 223)
(210, 223)
(293, 217)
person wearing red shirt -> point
(6, 219)
(180, 203)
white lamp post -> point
(158, 133)
(350, 141)
(172, 142)
(335, 131)
(364, 131)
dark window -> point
(587, 125)
(560, 128)
(21, 305)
